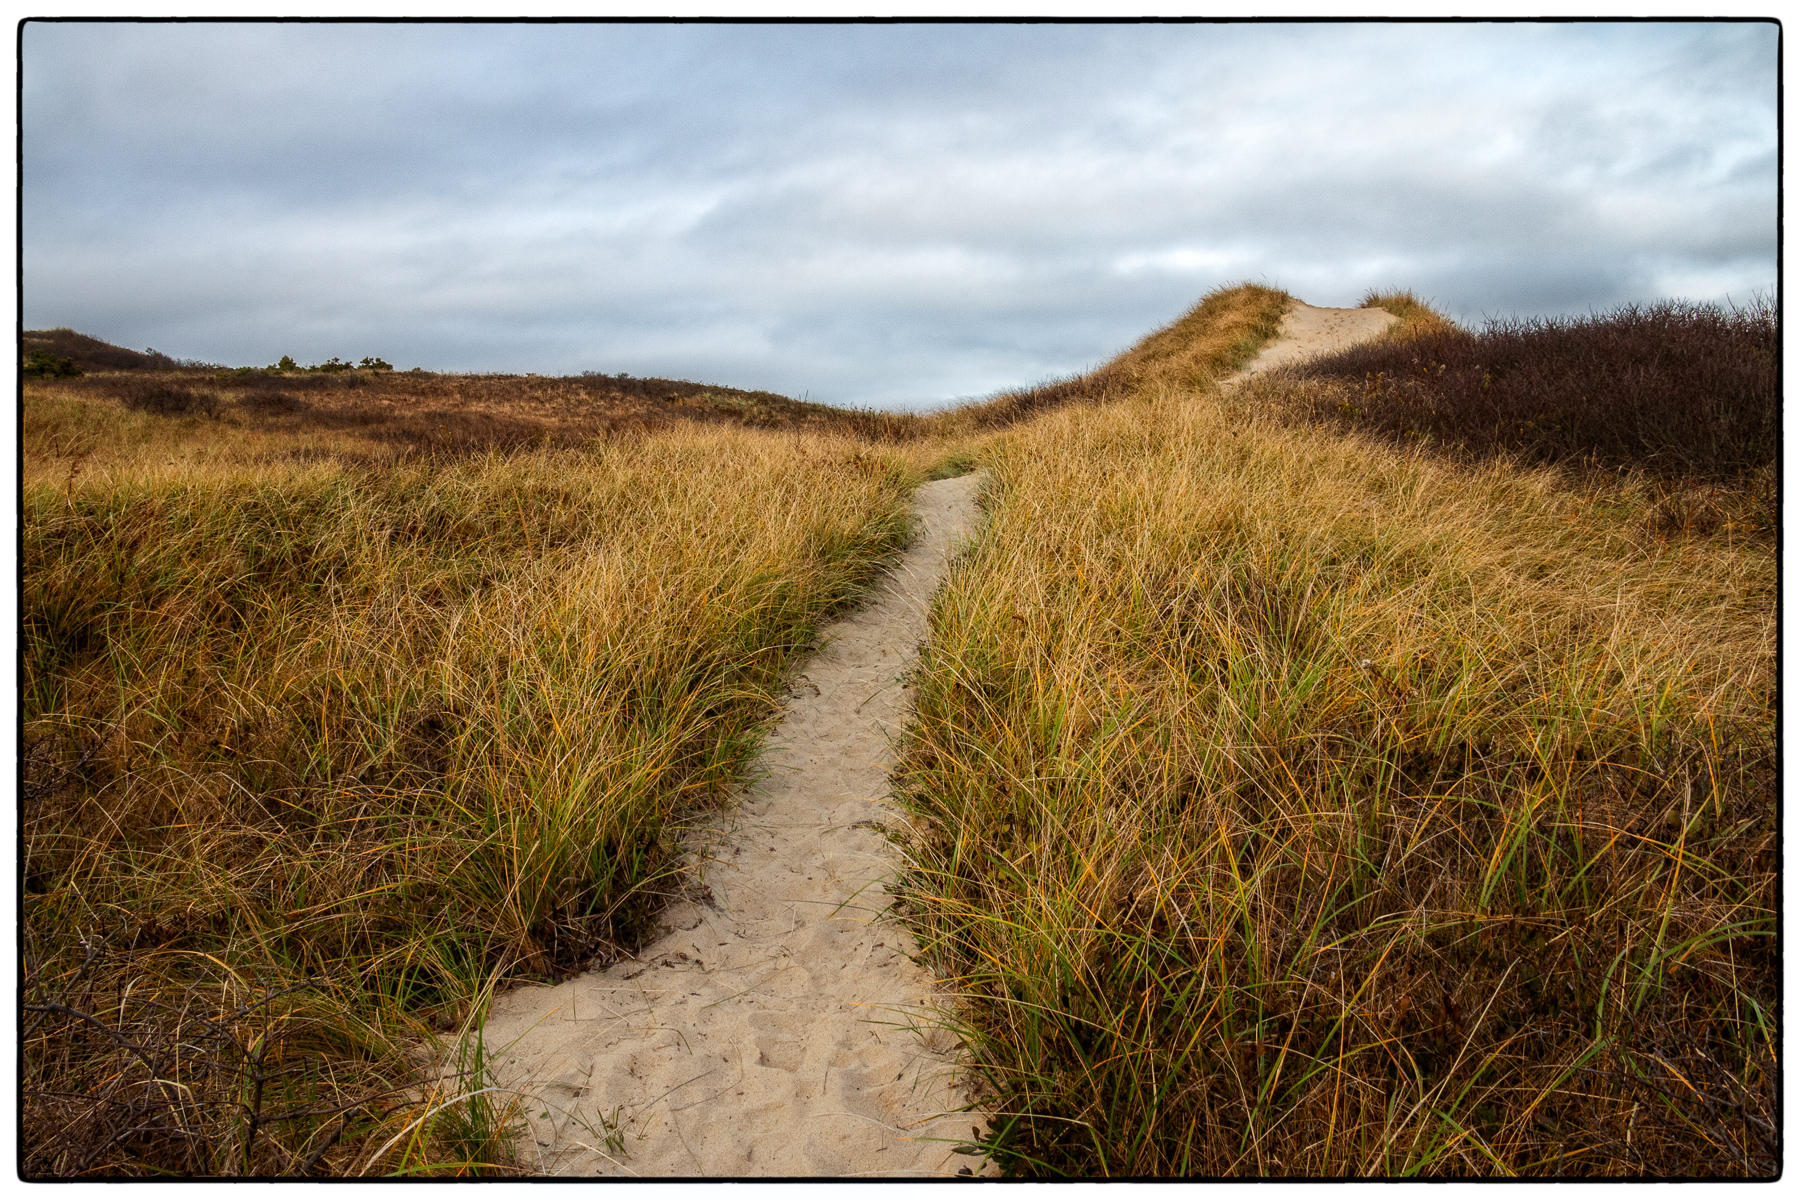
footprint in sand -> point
(779, 1040)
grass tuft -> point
(1416, 315)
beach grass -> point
(1293, 802)
(318, 753)
(1364, 769)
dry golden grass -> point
(194, 416)
(1290, 803)
(1416, 316)
(316, 753)
(1219, 334)
(1287, 801)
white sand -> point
(1307, 332)
(764, 1032)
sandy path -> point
(758, 1034)
(1307, 332)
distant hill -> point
(92, 354)
(431, 411)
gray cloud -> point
(881, 215)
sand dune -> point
(1307, 332)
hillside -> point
(364, 411)
(1225, 327)
(90, 353)
(1366, 767)
(1295, 794)
(373, 415)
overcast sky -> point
(893, 216)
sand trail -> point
(763, 1032)
(1307, 332)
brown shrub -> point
(163, 397)
(272, 404)
(92, 354)
(1677, 389)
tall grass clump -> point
(316, 753)
(1287, 802)
(1416, 315)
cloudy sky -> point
(881, 215)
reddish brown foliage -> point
(1679, 389)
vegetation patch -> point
(92, 354)
(1218, 335)
(272, 403)
(163, 397)
(1289, 802)
(319, 753)
(1369, 769)
(1678, 389)
(1416, 315)
(44, 364)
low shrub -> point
(165, 399)
(42, 364)
(269, 379)
(1674, 388)
(272, 403)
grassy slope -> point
(319, 747)
(533, 405)
(90, 353)
(1294, 803)
(1225, 327)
